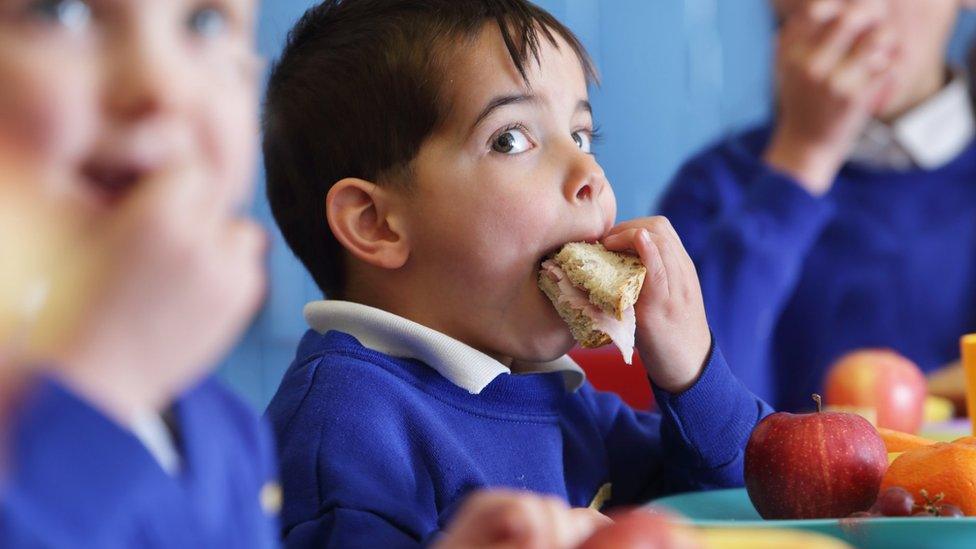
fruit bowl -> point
(732, 509)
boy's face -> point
(505, 181)
(100, 95)
(922, 29)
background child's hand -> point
(673, 337)
(179, 278)
(503, 519)
(834, 64)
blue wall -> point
(676, 74)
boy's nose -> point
(585, 182)
(142, 82)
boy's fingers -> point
(501, 522)
(682, 252)
(622, 241)
(587, 521)
(500, 519)
(651, 249)
(662, 226)
(566, 528)
(656, 284)
(659, 247)
(676, 261)
(528, 523)
(657, 223)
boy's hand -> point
(834, 64)
(673, 337)
(502, 519)
(179, 278)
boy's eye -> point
(513, 141)
(71, 14)
(207, 21)
(583, 141)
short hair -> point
(357, 90)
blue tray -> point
(732, 509)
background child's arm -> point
(833, 65)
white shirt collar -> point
(394, 335)
(152, 431)
(929, 136)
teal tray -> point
(732, 509)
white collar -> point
(151, 430)
(394, 335)
(929, 136)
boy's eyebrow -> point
(501, 101)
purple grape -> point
(862, 514)
(922, 514)
(895, 502)
(950, 510)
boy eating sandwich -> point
(424, 159)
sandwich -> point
(594, 291)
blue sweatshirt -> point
(79, 480)
(791, 282)
(378, 451)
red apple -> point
(643, 529)
(883, 380)
(819, 465)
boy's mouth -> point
(551, 251)
(112, 182)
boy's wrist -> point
(677, 378)
(813, 166)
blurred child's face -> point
(505, 181)
(922, 29)
(99, 95)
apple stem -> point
(816, 398)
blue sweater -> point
(791, 282)
(78, 480)
(378, 451)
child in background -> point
(847, 221)
(126, 144)
(424, 157)
(140, 118)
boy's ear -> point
(363, 219)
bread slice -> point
(594, 291)
(612, 280)
(580, 324)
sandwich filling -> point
(621, 331)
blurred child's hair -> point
(357, 90)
